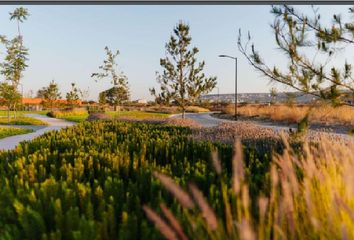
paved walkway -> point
(206, 120)
(53, 124)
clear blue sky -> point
(67, 42)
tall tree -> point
(50, 94)
(182, 79)
(298, 36)
(73, 96)
(19, 14)
(118, 79)
(10, 96)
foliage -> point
(114, 96)
(73, 96)
(90, 181)
(74, 115)
(10, 131)
(120, 90)
(50, 94)
(15, 61)
(297, 36)
(182, 79)
(310, 197)
(10, 97)
(22, 120)
(19, 14)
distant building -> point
(258, 97)
(37, 103)
(141, 101)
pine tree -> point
(297, 36)
(119, 80)
(182, 79)
(73, 95)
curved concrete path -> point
(53, 124)
(206, 120)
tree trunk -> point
(8, 114)
(15, 111)
(183, 113)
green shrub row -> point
(90, 181)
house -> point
(36, 104)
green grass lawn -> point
(75, 118)
(118, 114)
(21, 120)
(9, 131)
(3, 113)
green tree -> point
(309, 46)
(11, 97)
(50, 94)
(19, 14)
(102, 98)
(118, 79)
(73, 96)
(114, 96)
(182, 79)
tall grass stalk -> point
(311, 197)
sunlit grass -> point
(10, 131)
(21, 120)
(293, 114)
(311, 196)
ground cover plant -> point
(74, 115)
(81, 115)
(10, 131)
(91, 180)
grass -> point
(21, 120)
(310, 197)
(322, 114)
(21, 113)
(80, 116)
(10, 131)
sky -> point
(66, 43)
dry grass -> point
(323, 114)
(196, 109)
(229, 132)
(311, 197)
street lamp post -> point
(234, 58)
(218, 98)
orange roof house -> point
(38, 101)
